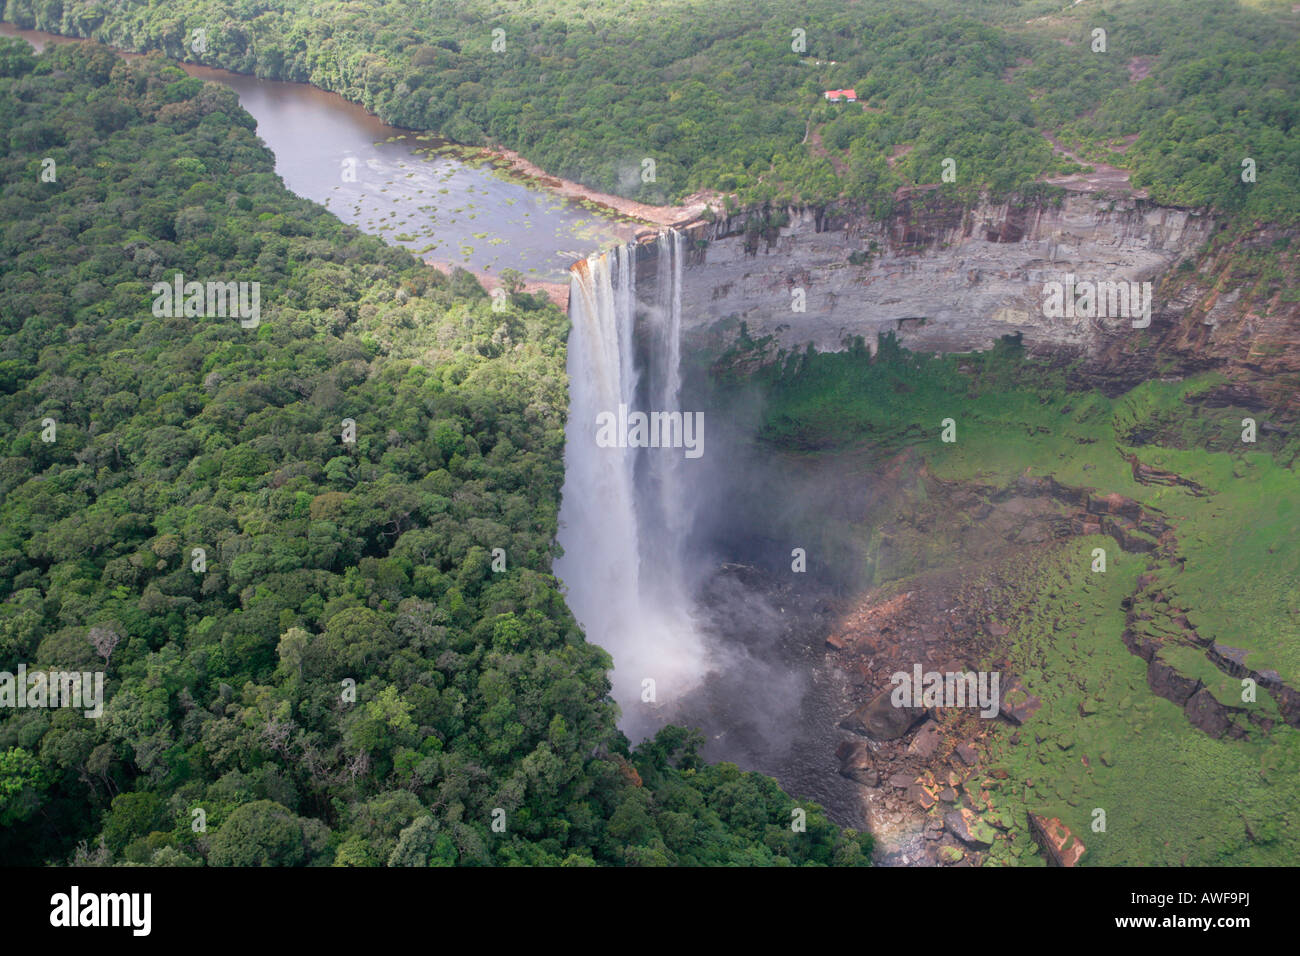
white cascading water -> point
(623, 517)
(666, 370)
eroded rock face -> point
(1171, 685)
(1213, 717)
(1062, 847)
(941, 277)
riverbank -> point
(665, 217)
(481, 209)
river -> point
(410, 189)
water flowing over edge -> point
(623, 516)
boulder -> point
(966, 826)
(926, 741)
(920, 796)
(858, 763)
(1017, 704)
(879, 719)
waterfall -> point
(623, 517)
(667, 469)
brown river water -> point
(395, 184)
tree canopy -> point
(727, 96)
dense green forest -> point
(727, 96)
(325, 562)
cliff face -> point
(941, 277)
(946, 278)
(1236, 309)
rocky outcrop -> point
(1017, 704)
(1061, 847)
(1207, 714)
(944, 277)
(968, 827)
(1232, 661)
(1156, 625)
(941, 276)
(1166, 682)
(1143, 530)
(1232, 308)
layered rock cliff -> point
(943, 276)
